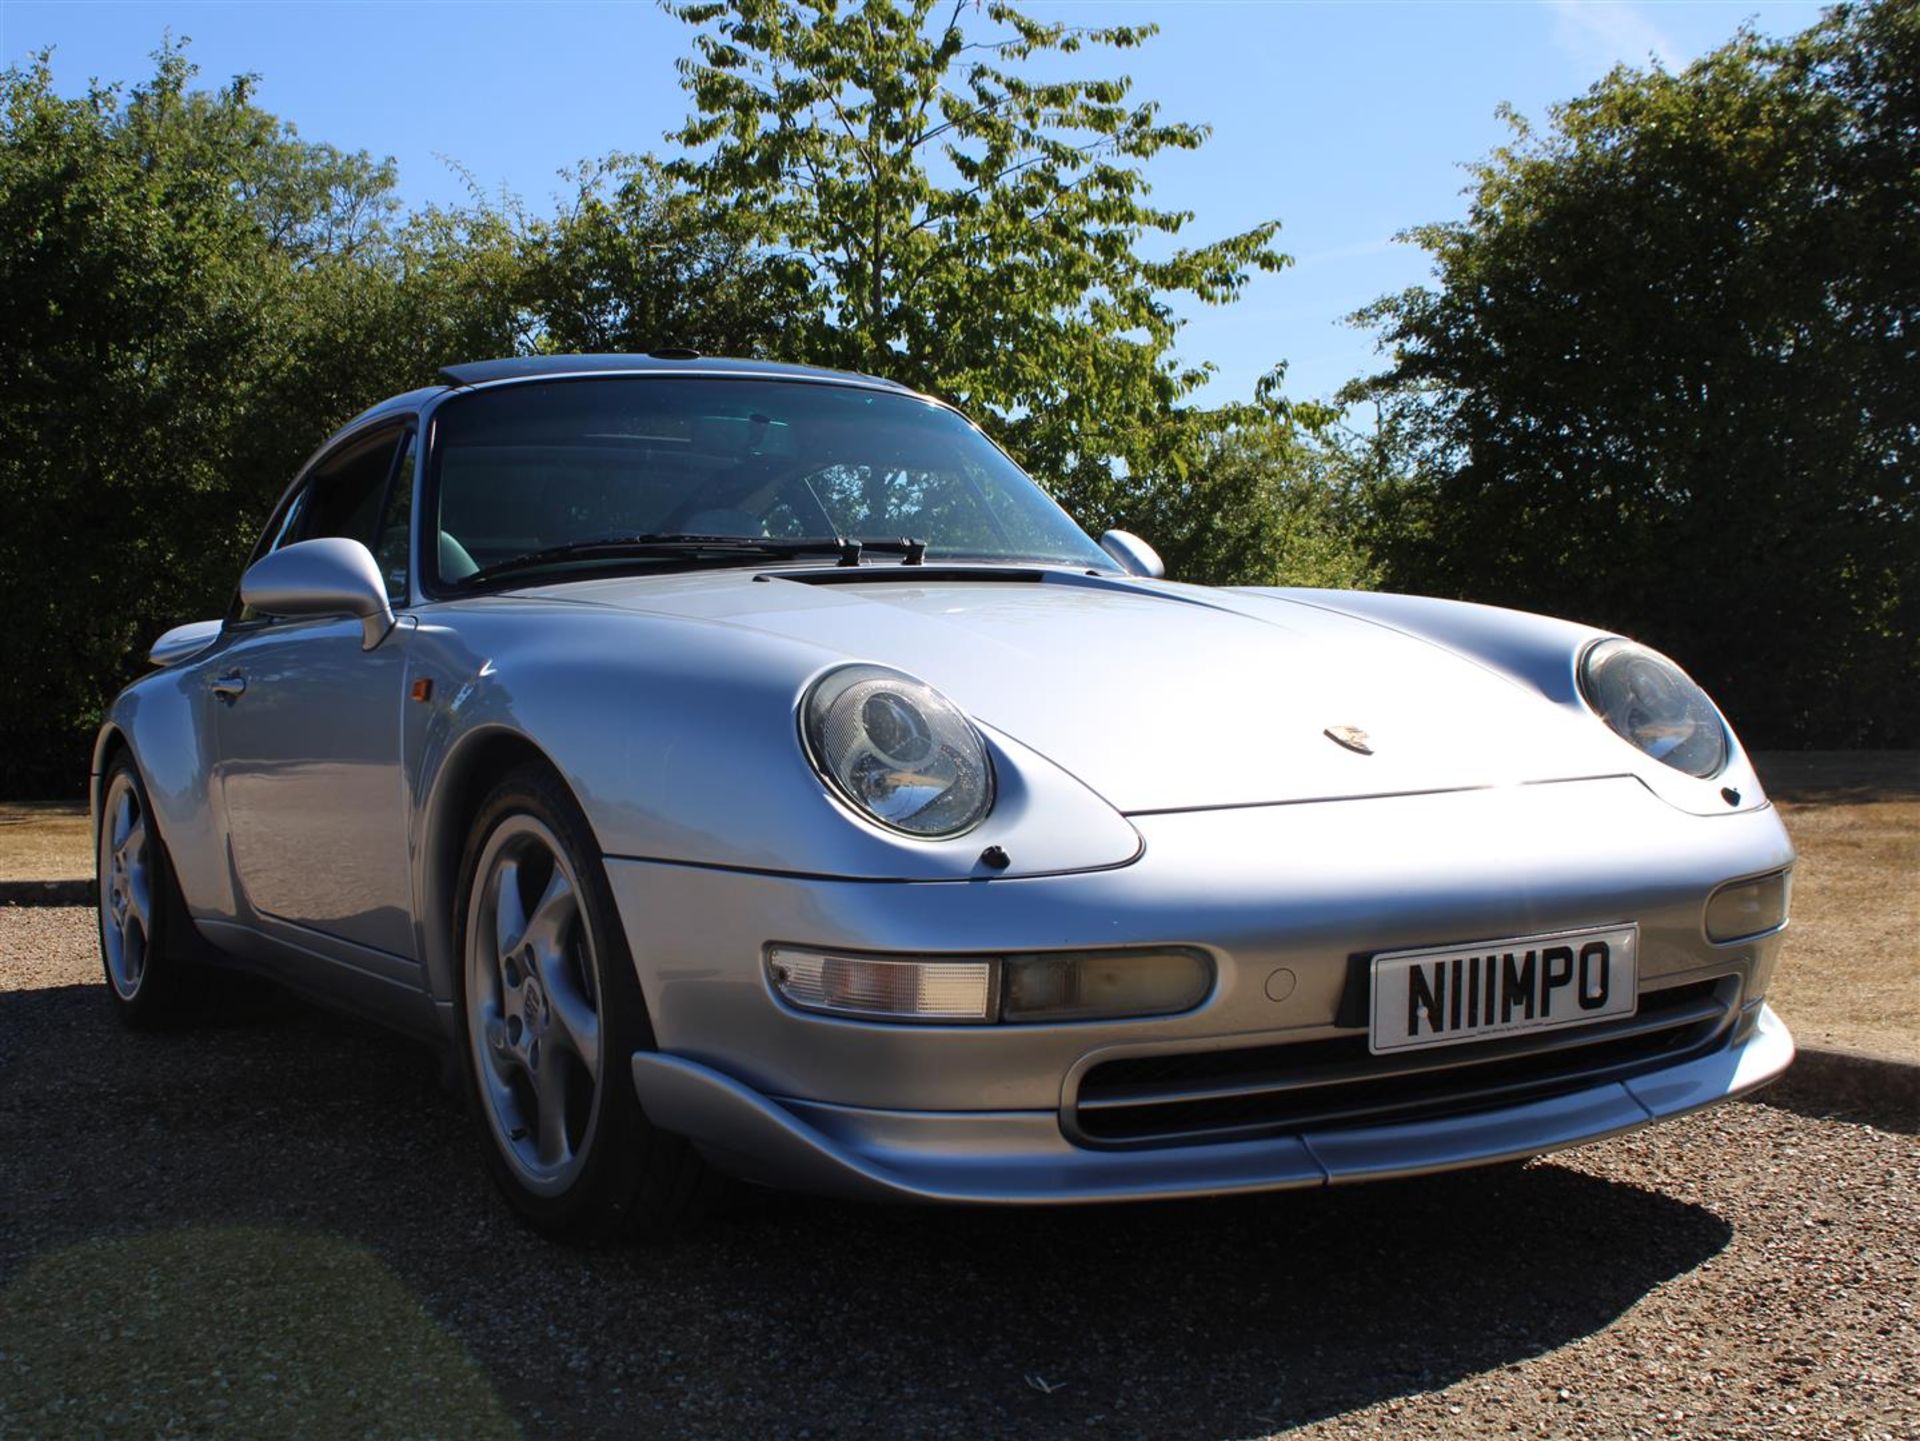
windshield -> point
(521, 471)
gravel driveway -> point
(280, 1226)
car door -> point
(307, 727)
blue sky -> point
(1347, 121)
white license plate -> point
(1445, 995)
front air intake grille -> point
(1193, 1096)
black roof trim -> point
(520, 367)
(409, 403)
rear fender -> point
(162, 719)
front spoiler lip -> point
(1021, 1157)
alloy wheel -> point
(126, 886)
(533, 1004)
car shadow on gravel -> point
(784, 1316)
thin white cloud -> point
(1346, 252)
(1605, 33)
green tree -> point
(131, 285)
(953, 220)
(633, 262)
(1667, 382)
(191, 298)
(1261, 501)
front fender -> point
(681, 740)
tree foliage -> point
(951, 220)
(191, 297)
(1667, 380)
(634, 262)
(1262, 501)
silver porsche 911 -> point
(747, 767)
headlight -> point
(1650, 701)
(898, 750)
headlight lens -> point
(1651, 702)
(898, 750)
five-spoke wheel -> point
(549, 1012)
(126, 885)
(150, 980)
(533, 1008)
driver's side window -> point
(395, 529)
(347, 494)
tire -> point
(142, 918)
(548, 1010)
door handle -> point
(230, 687)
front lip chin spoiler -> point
(1022, 1158)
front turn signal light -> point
(1104, 985)
(1749, 908)
(883, 989)
(1032, 988)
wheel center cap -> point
(536, 1004)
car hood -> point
(1161, 696)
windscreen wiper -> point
(911, 551)
(669, 543)
(678, 543)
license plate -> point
(1447, 995)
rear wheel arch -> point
(110, 743)
(172, 987)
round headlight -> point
(898, 750)
(1651, 702)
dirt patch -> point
(44, 841)
(1850, 974)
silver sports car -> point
(747, 767)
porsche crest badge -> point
(1352, 737)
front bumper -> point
(986, 1113)
(1023, 1158)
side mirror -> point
(330, 576)
(1136, 557)
(184, 642)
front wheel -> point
(549, 1012)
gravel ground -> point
(279, 1225)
